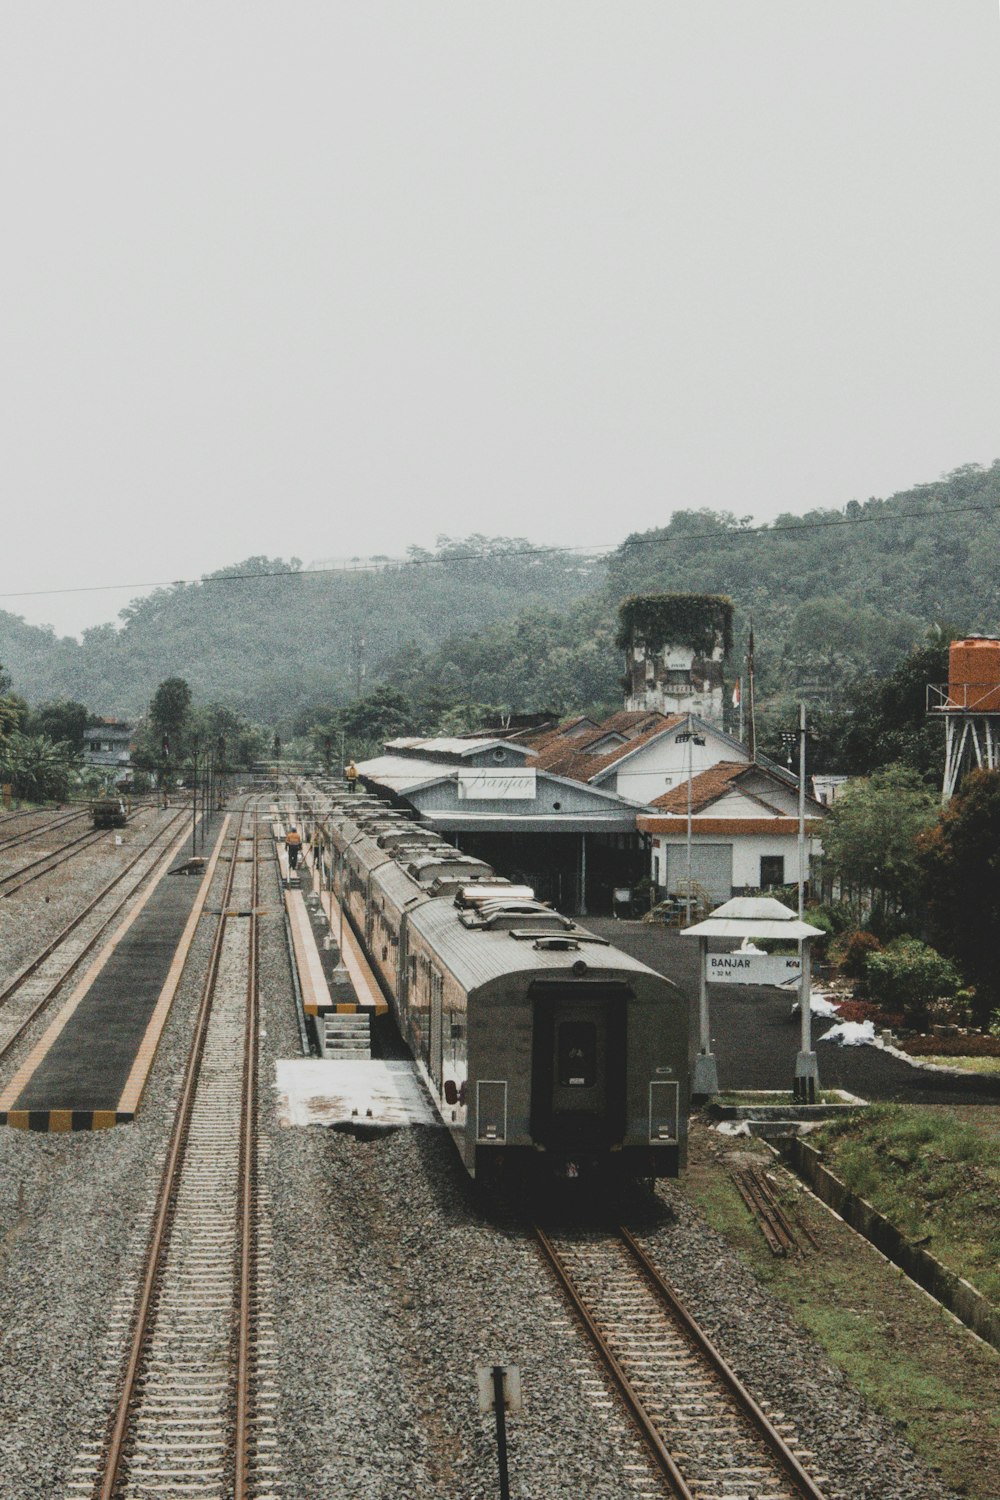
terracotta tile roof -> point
(708, 786)
(629, 723)
(571, 757)
(705, 787)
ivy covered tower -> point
(675, 646)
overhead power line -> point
(769, 529)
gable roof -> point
(566, 751)
(708, 786)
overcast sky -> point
(322, 279)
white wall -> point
(663, 764)
(747, 851)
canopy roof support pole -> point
(806, 1085)
(706, 1078)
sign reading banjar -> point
(481, 785)
(752, 968)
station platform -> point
(89, 1069)
(321, 993)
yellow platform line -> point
(136, 1081)
(366, 986)
(14, 1088)
(315, 990)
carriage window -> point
(577, 1054)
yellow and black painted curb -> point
(57, 1121)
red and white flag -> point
(737, 695)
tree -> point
(960, 865)
(228, 735)
(869, 841)
(62, 719)
(169, 712)
(39, 769)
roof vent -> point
(556, 944)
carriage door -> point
(578, 1060)
(437, 1027)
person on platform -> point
(293, 845)
(352, 777)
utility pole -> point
(194, 796)
(802, 807)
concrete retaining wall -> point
(958, 1295)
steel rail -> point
(247, 1201)
(165, 1199)
(49, 861)
(775, 1442)
(40, 958)
(10, 884)
(630, 1396)
(27, 834)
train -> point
(547, 1052)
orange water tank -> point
(974, 674)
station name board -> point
(752, 968)
(496, 786)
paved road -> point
(755, 1039)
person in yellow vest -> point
(352, 777)
(293, 844)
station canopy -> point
(753, 917)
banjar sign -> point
(482, 785)
(752, 968)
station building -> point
(573, 842)
(744, 819)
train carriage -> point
(543, 1047)
(547, 1049)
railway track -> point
(31, 991)
(25, 835)
(194, 1397)
(708, 1435)
(45, 863)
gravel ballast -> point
(389, 1288)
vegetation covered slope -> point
(836, 597)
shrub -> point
(832, 916)
(817, 916)
(856, 951)
(863, 1010)
(909, 976)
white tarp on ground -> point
(852, 1034)
(315, 1091)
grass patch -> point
(750, 1099)
(935, 1177)
(939, 1386)
(967, 1064)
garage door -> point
(711, 867)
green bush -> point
(837, 916)
(818, 916)
(909, 976)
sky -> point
(323, 279)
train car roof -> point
(475, 955)
(400, 888)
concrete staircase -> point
(346, 1037)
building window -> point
(772, 870)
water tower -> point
(969, 703)
(675, 647)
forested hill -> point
(269, 638)
(832, 594)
